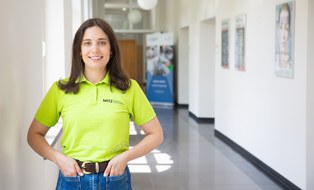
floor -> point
(191, 157)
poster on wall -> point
(159, 68)
(225, 43)
(284, 61)
(240, 22)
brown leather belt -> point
(92, 167)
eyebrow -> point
(99, 39)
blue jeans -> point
(95, 181)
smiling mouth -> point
(95, 58)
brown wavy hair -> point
(118, 78)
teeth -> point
(95, 57)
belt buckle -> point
(83, 166)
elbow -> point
(161, 137)
(29, 138)
(31, 135)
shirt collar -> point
(104, 80)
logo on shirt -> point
(112, 101)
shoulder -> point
(63, 81)
(134, 88)
(133, 82)
(56, 86)
(134, 85)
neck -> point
(94, 76)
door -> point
(128, 50)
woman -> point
(284, 36)
(96, 104)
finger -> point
(69, 173)
(113, 171)
(121, 171)
(78, 169)
(108, 170)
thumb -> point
(78, 169)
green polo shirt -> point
(96, 120)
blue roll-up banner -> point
(159, 68)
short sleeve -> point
(48, 113)
(142, 110)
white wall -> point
(263, 113)
(194, 15)
(194, 66)
(21, 91)
(22, 71)
(164, 12)
(56, 53)
(11, 104)
(310, 100)
(206, 72)
(182, 67)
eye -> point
(87, 43)
(287, 27)
(102, 43)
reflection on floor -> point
(192, 158)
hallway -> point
(191, 157)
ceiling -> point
(120, 13)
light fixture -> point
(147, 4)
(134, 16)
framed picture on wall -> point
(225, 43)
(240, 22)
(284, 58)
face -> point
(169, 53)
(95, 49)
(284, 29)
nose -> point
(283, 35)
(285, 32)
(94, 47)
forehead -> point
(284, 16)
(94, 32)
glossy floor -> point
(191, 157)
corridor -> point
(192, 158)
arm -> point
(36, 139)
(153, 138)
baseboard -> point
(272, 174)
(202, 119)
(181, 105)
